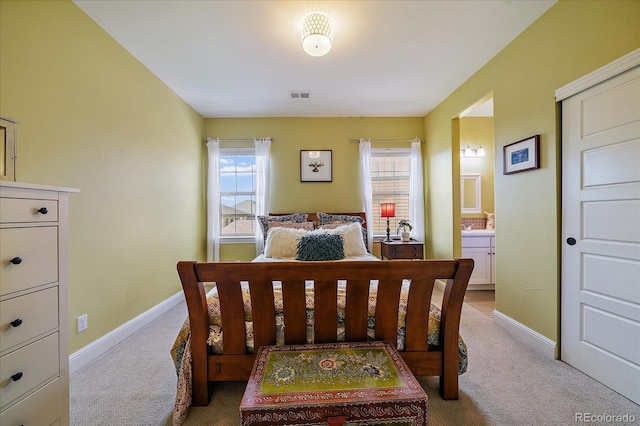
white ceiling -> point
(242, 58)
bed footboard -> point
(293, 280)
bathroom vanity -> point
(479, 245)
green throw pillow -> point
(320, 247)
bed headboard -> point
(313, 217)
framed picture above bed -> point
(316, 166)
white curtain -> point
(213, 201)
(367, 189)
(416, 193)
(263, 146)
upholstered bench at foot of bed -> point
(335, 383)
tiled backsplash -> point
(475, 222)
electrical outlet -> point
(83, 323)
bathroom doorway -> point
(477, 213)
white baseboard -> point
(96, 348)
(527, 335)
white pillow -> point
(491, 221)
(282, 243)
(352, 236)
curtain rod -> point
(387, 140)
(237, 139)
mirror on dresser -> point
(7, 149)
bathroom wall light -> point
(469, 152)
(317, 34)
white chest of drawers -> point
(34, 341)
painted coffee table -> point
(336, 384)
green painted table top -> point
(329, 369)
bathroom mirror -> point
(470, 193)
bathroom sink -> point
(479, 232)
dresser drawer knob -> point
(43, 210)
(16, 322)
(17, 376)
(16, 260)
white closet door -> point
(600, 300)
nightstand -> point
(411, 249)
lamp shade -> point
(388, 210)
(317, 34)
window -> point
(390, 184)
(237, 192)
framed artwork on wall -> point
(316, 166)
(522, 155)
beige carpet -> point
(507, 383)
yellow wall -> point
(478, 131)
(570, 40)
(289, 136)
(92, 117)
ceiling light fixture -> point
(317, 34)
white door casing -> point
(600, 289)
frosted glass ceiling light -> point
(317, 34)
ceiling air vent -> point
(298, 95)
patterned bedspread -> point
(181, 353)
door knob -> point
(571, 241)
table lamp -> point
(388, 210)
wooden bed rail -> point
(235, 362)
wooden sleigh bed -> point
(292, 302)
